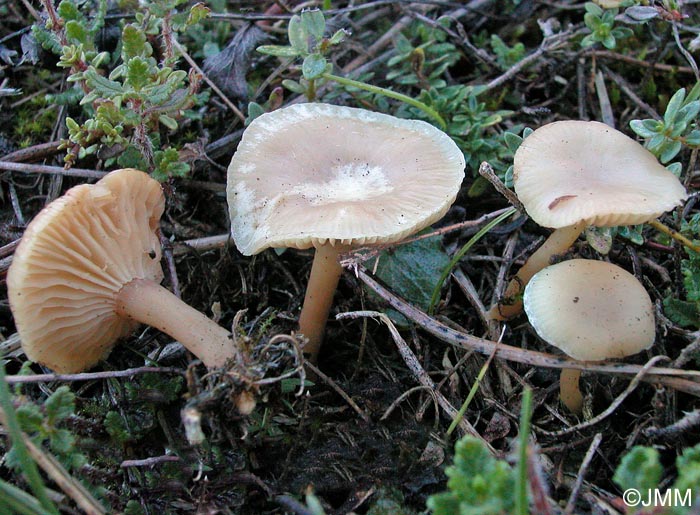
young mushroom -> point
(572, 174)
(87, 272)
(591, 310)
(331, 177)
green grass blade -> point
(16, 500)
(472, 241)
(521, 504)
(391, 94)
(29, 468)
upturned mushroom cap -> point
(572, 171)
(73, 259)
(591, 310)
(309, 174)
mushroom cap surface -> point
(571, 171)
(311, 174)
(591, 310)
(74, 257)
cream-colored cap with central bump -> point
(309, 174)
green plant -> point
(306, 37)
(665, 138)
(127, 109)
(506, 56)
(602, 25)
(640, 470)
(480, 484)
(44, 423)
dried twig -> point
(541, 359)
(571, 503)
(338, 390)
(91, 376)
(416, 369)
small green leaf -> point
(639, 469)
(674, 106)
(600, 238)
(293, 86)
(313, 67)
(198, 12)
(279, 51)
(314, 23)
(134, 43)
(682, 312)
(414, 269)
(512, 141)
(593, 9)
(339, 36)
(646, 128)
(60, 404)
(170, 123)
(298, 36)
(669, 150)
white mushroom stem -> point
(147, 302)
(323, 281)
(558, 242)
(569, 390)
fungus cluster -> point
(572, 174)
(333, 178)
(87, 272)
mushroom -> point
(571, 174)
(591, 310)
(333, 178)
(87, 271)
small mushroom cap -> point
(571, 171)
(309, 174)
(591, 310)
(73, 259)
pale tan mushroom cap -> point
(571, 171)
(309, 174)
(74, 257)
(591, 310)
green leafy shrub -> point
(478, 483)
(641, 470)
(602, 25)
(128, 108)
(44, 424)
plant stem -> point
(521, 504)
(675, 235)
(389, 93)
(29, 468)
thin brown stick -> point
(528, 357)
(149, 462)
(338, 390)
(417, 370)
(486, 171)
(33, 153)
(91, 376)
(213, 86)
(571, 503)
(607, 54)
